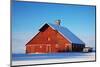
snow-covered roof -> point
(66, 33)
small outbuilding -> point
(54, 38)
(87, 49)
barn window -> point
(66, 46)
(49, 39)
(57, 45)
(40, 46)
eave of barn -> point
(32, 38)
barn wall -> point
(48, 40)
(63, 43)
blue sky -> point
(27, 17)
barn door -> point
(48, 48)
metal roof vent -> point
(58, 22)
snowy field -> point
(32, 59)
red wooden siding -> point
(48, 40)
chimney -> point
(58, 22)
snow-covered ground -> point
(23, 59)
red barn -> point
(53, 38)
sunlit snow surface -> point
(27, 59)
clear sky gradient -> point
(27, 17)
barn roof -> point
(66, 33)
